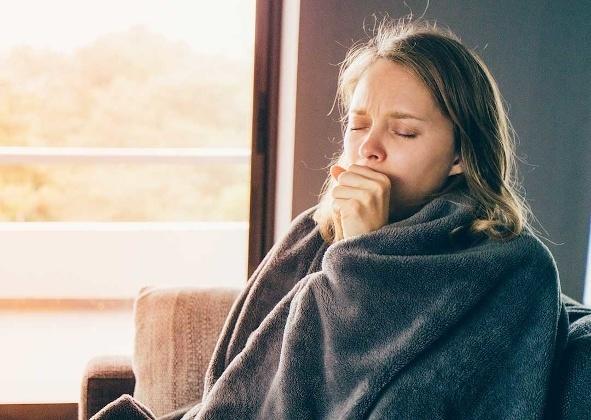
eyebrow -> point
(395, 114)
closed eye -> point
(407, 135)
(399, 134)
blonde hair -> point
(465, 92)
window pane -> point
(131, 74)
(114, 260)
(125, 192)
(127, 74)
(45, 352)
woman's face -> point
(417, 154)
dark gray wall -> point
(539, 53)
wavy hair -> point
(467, 94)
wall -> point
(538, 54)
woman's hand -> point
(361, 200)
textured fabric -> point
(125, 407)
(105, 379)
(571, 395)
(179, 413)
(175, 333)
(575, 309)
(404, 322)
(401, 323)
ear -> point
(457, 167)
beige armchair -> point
(176, 330)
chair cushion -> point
(176, 329)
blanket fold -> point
(409, 321)
(418, 319)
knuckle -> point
(367, 196)
(383, 186)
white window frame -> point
(116, 259)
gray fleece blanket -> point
(406, 322)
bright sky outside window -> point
(134, 75)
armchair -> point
(177, 329)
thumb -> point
(338, 228)
(336, 170)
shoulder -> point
(302, 228)
(525, 247)
(524, 252)
(305, 216)
(533, 248)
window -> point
(125, 161)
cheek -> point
(416, 174)
(347, 144)
(350, 150)
(429, 177)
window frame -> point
(267, 49)
(263, 160)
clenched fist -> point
(361, 200)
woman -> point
(459, 138)
(416, 288)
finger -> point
(347, 207)
(354, 180)
(360, 177)
(336, 170)
(338, 229)
(362, 195)
(368, 173)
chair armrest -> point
(176, 330)
(105, 379)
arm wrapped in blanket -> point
(408, 321)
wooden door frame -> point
(264, 131)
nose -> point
(371, 148)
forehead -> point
(386, 87)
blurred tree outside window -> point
(134, 88)
(154, 86)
